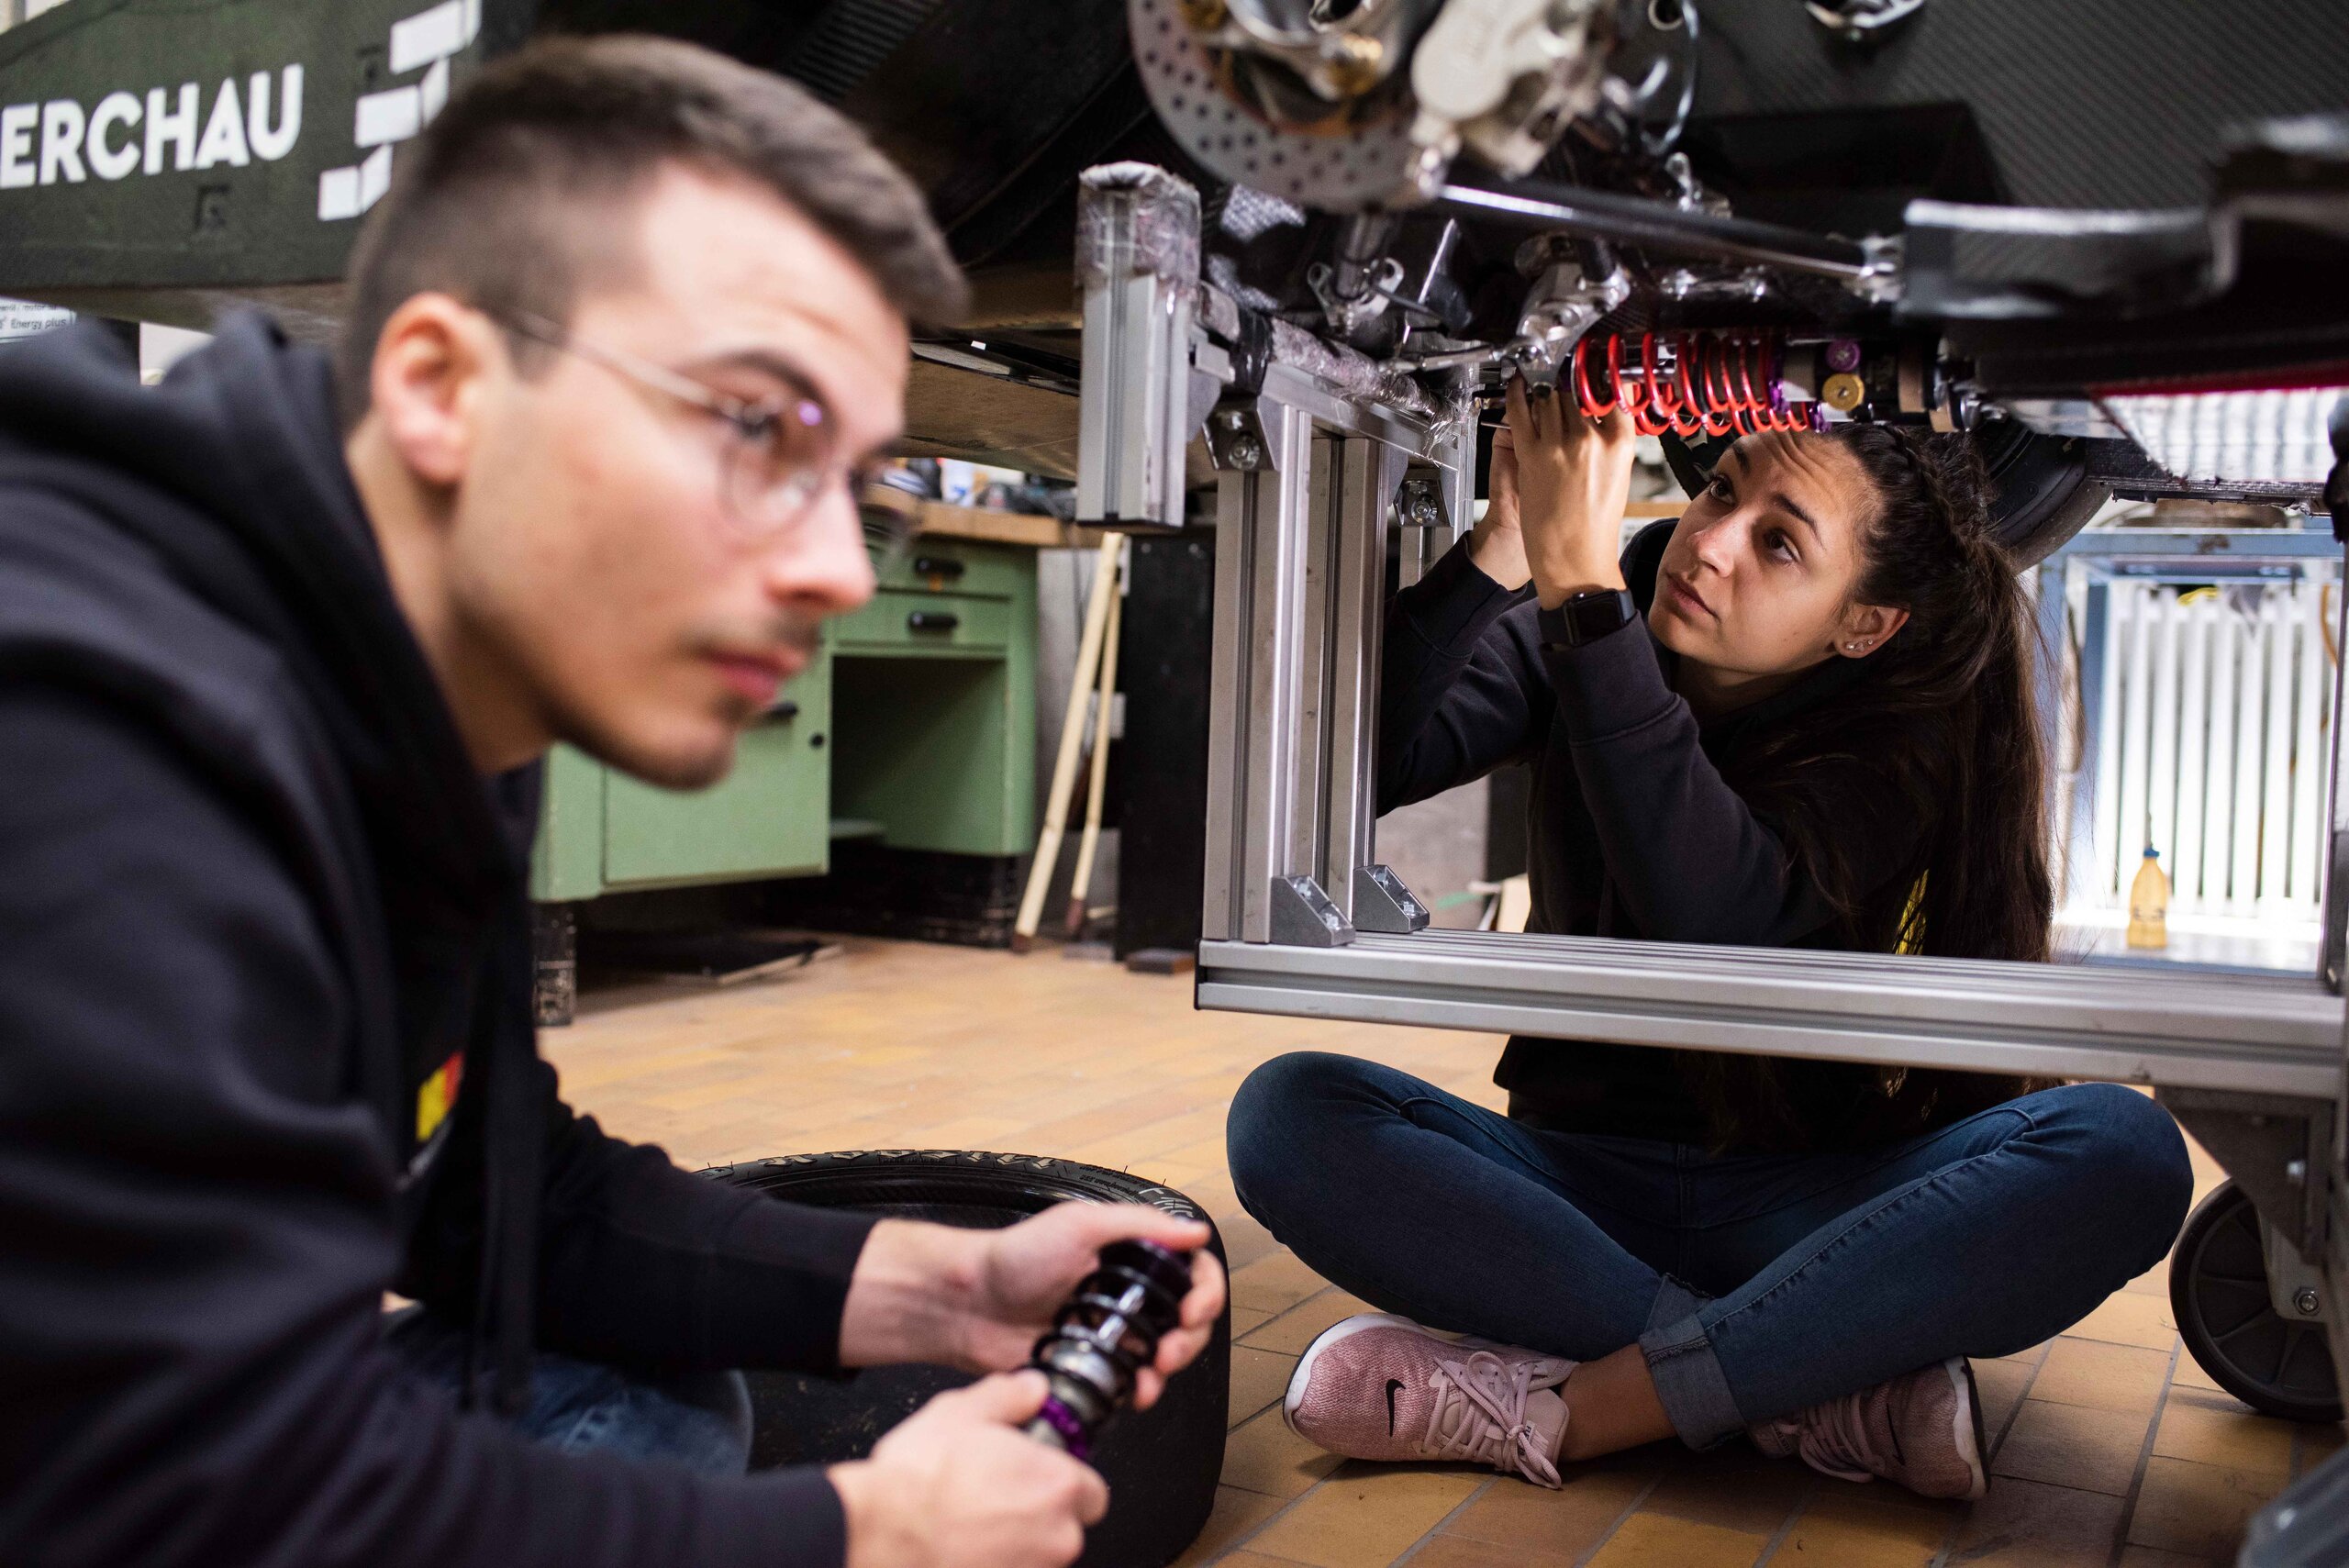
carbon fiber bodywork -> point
(2086, 103)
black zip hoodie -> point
(266, 1048)
(1631, 830)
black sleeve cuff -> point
(780, 1519)
(1607, 685)
(779, 1284)
(1454, 605)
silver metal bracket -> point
(1236, 438)
(2276, 1147)
(1382, 903)
(1304, 916)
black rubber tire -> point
(2218, 1291)
(2042, 494)
(1161, 1464)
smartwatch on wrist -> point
(1586, 617)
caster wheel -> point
(2217, 1287)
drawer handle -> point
(933, 620)
(945, 566)
(785, 710)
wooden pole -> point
(1088, 653)
(1081, 884)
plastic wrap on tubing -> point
(1165, 229)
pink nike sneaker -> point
(1376, 1386)
(1922, 1431)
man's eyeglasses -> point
(781, 452)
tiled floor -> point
(2112, 1449)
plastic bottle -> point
(2149, 904)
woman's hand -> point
(1567, 482)
(1497, 544)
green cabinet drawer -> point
(911, 621)
(961, 566)
(771, 816)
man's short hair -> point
(516, 199)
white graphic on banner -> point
(394, 115)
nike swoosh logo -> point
(1394, 1387)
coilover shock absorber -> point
(1691, 384)
(1108, 1331)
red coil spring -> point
(1716, 385)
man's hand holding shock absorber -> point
(1113, 1299)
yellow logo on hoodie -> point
(438, 1095)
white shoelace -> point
(1479, 1414)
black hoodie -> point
(1631, 830)
(266, 1048)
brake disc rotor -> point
(1358, 158)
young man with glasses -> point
(280, 643)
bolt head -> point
(2307, 1301)
(1246, 452)
(1843, 391)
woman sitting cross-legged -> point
(1808, 723)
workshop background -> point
(828, 953)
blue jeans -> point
(700, 1420)
(1755, 1285)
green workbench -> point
(915, 726)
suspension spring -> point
(1690, 383)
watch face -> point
(1593, 616)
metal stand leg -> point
(1311, 443)
(555, 985)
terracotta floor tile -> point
(2025, 1523)
(2318, 1442)
(1235, 1514)
(2189, 1373)
(2129, 1320)
(1733, 1487)
(1275, 1283)
(2152, 1282)
(1843, 1531)
(1365, 1517)
(1244, 1240)
(1258, 1378)
(2001, 1384)
(1264, 1455)
(1661, 1540)
(2102, 1377)
(1289, 1333)
(1571, 1519)
(2211, 1428)
(2072, 1445)
(1245, 1321)
(2146, 1557)
(1205, 1152)
(1253, 1560)
(2197, 1509)
(1460, 1551)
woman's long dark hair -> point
(1944, 719)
